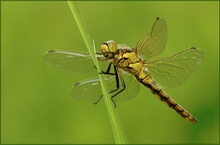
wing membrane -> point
(154, 43)
(90, 89)
(174, 70)
(71, 60)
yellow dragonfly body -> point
(129, 63)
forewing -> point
(90, 89)
(71, 60)
(154, 43)
(175, 69)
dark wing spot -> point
(193, 48)
(51, 51)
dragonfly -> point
(125, 68)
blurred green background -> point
(36, 103)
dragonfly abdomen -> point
(160, 94)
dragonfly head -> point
(109, 48)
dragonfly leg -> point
(117, 76)
(98, 100)
(107, 72)
(95, 67)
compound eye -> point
(109, 47)
(104, 48)
(106, 44)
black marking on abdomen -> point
(157, 91)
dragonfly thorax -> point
(109, 48)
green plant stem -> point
(117, 129)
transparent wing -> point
(154, 43)
(71, 60)
(174, 70)
(90, 89)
